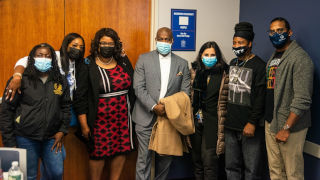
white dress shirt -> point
(165, 63)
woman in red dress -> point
(103, 102)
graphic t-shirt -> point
(246, 93)
(240, 85)
(271, 82)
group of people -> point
(249, 107)
(241, 110)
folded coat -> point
(167, 133)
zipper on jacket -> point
(45, 109)
(46, 100)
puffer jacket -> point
(222, 112)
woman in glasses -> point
(103, 102)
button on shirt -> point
(165, 63)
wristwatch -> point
(286, 127)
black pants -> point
(207, 165)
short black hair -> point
(109, 33)
(283, 20)
(168, 30)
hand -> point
(282, 136)
(249, 130)
(85, 131)
(58, 142)
(13, 87)
(159, 110)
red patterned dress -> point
(112, 129)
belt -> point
(118, 93)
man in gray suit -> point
(158, 74)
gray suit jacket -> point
(147, 83)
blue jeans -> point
(52, 163)
(244, 155)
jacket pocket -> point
(177, 79)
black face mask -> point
(240, 51)
(75, 54)
(106, 52)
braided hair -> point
(33, 74)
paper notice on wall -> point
(183, 20)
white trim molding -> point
(154, 23)
(312, 149)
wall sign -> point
(183, 26)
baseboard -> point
(312, 149)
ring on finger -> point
(10, 91)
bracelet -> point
(17, 74)
(286, 127)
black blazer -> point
(86, 95)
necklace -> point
(105, 63)
(245, 61)
(239, 68)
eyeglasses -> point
(279, 31)
(106, 44)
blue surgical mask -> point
(209, 61)
(43, 64)
(163, 47)
(279, 40)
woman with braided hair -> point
(38, 118)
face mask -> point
(209, 61)
(43, 64)
(163, 48)
(279, 40)
(240, 51)
(106, 52)
(75, 54)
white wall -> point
(215, 22)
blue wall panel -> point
(303, 17)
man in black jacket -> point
(244, 138)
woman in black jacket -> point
(70, 55)
(38, 117)
(209, 101)
(103, 102)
